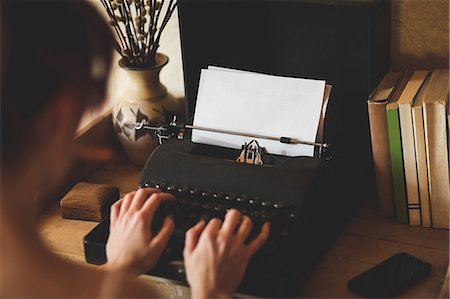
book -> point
(405, 103)
(395, 150)
(421, 156)
(376, 105)
(435, 124)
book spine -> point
(437, 163)
(421, 160)
(398, 176)
(409, 163)
(381, 156)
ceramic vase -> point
(142, 98)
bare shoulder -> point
(42, 274)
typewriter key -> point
(242, 199)
(278, 205)
(230, 197)
(254, 201)
(267, 203)
(218, 195)
(206, 194)
(160, 186)
(194, 191)
(172, 188)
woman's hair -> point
(47, 46)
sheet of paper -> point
(326, 97)
(258, 104)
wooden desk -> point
(367, 240)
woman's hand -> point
(215, 255)
(131, 247)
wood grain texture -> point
(88, 201)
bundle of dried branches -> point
(139, 25)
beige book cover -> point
(421, 156)
(435, 123)
(405, 103)
(376, 105)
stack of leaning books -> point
(409, 124)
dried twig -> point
(138, 28)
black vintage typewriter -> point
(294, 194)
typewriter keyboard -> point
(192, 205)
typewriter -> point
(294, 194)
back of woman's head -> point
(48, 46)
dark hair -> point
(47, 46)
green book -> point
(396, 153)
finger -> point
(159, 242)
(259, 240)
(114, 211)
(211, 229)
(141, 196)
(127, 199)
(230, 223)
(244, 230)
(151, 205)
(192, 236)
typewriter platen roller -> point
(293, 193)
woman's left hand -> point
(131, 246)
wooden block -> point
(87, 201)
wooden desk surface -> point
(367, 240)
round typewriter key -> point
(230, 197)
(293, 215)
(278, 205)
(218, 195)
(172, 188)
(160, 186)
(206, 194)
(241, 199)
(254, 201)
(267, 203)
(194, 191)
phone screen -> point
(390, 276)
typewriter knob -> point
(172, 188)
(218, 195)
(206, 194)
(194, 191)
(293, 215)
(183, 190)
(254, 201)
(278, 205)
(267, 203)
(160, 186)
(242, 199)
(230, 197)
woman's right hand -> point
(216, 257)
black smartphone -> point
(389, 277)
